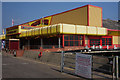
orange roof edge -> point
(94, 6)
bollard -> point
(117, 71)
(62, 61)
(93, 47)
(113, 76)
(86, 47)
(115, 47)
(96, 47)
(15, 54)
(107, 46)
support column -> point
(63, 40)
(19, 44)
(84, 40)
(9, 45)
(101, 41)
(41, 43)
(117, 68)
(113, 69)
(28, 43)
(59, 41)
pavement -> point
(13, 67)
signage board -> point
(83, 65)
(13, 30)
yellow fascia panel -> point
(116, 39)
(28, 33)
(19, 29)
(0, 37)
(31, 22)
(32, 32)
(37, 31)
(101, 31)
(20, 35)
(60, 28)
(114, 33)
(40, 32)
(44, 30)
(53, 29)
(49, 29)
(3, 36)
(91, 30)
(69, 29)
(24, 34)
(80, 29)
(23, 30)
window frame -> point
(107, 42)
(74, 40)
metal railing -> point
(102, 67)
(43, 46)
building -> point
(70, 30)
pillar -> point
(59, 41)
(84, 40)
(41, 42)
(63, 40)
(28, 43)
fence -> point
(43, 46)
(97, 66)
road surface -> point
(20, 68)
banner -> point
(83, 65)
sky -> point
(22, 12)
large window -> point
(106, 41)
(73, 40)
(95, 42)
(36, 23)
(46, 22)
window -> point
(36, 23)
(66, 37)
(71, 43)
(66, 43)
(106, 41)
(103, 41)
(46, 22)
(73, 40)
(71, 37)
(95, 42)
(76, 43)
(76, 37)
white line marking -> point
(4, 64)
